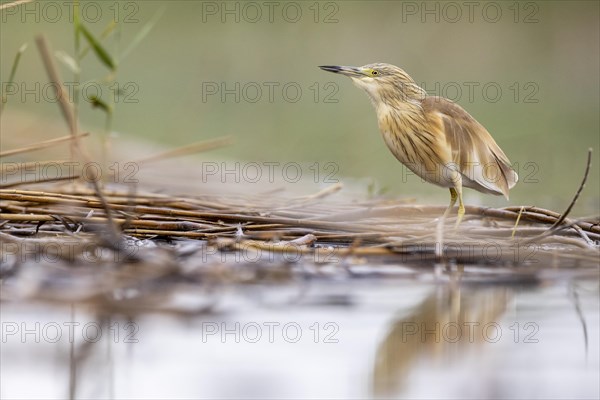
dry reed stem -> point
(188, 149)
(6, 6)
(43, 145)
(14, 167)
(185, 209)
(38, 181)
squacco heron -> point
(432, 136)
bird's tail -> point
(509, 177)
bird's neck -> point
(404, 109)
(402, 115)
(402, 100)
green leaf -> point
(13, 70)
(106, 33)
(98, 49)
(99, 103)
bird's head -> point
(384, 83)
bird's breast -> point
(413, 140)
(400, 128)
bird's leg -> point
(453, 197)
(461, 206)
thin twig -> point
(12, 167)
(581, 186)
(517, 223)
(13, 4)
(46, 180)
(44, 144)
(188, 149)
(66, 106)
(68, 110)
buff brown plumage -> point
(433, 136)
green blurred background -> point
(543, 56)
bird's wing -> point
(473, 149)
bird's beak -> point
(348, 71)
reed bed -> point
(132, 249)
(138, 251)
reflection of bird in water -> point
(440, 329)
(434, 137)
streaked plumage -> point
(433, 136)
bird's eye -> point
(373, 72)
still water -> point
(382, 336)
